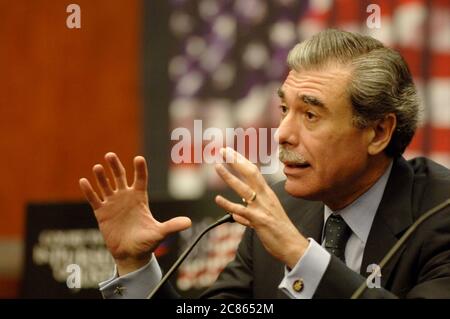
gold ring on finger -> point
(249, 201)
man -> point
(349, 109)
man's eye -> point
(283, 109)
(310, 116)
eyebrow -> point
(280, 93)
(308, 99)
(311, 100)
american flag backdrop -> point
(420, 31)
(228, 59)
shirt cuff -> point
(134, 285)
(302, 281)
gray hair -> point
(380, 83)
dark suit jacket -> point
(421, 269)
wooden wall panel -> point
(67, 96)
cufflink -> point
(119, 290)
(298, 285)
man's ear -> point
(381, 134)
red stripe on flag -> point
(442, 4)
(348, 11)
(406, 2)
(438, 64)
(439, 140)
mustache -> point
(289, 156)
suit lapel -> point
(311, 223)
(393, 217)
(307, 217)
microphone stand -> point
(400, 243)
(225, 219)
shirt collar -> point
(359, 215)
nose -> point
(288, 131)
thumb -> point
(176, 224)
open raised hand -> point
(130, 232)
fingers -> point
(102, 181)
(241, 220)
(239, 212)
(242, 165)
(119, 175)
(140, 173)
(232, 157)
(176, 224)
(242, 189)
(117, 169)
(90, 194)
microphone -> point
(225, 219)
(358, 292)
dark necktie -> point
(337, 233)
